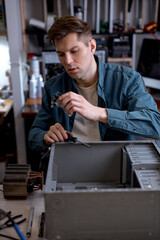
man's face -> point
(75, 55)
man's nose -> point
(68, 59)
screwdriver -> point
(74, 139)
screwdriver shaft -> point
(84, 144)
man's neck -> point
(91, 77)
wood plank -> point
(45, 12)
(31, 107)
(6, 106)
(23, 21)
(126, 15)
(59, 8)
(22, 206)
(31, 101)
(156, 11)
(120, 60)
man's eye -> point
(74, 51)
(60, 54)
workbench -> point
(5, 107)
(31, 107)
(22, 206)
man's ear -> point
(93, 45)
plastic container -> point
(33, 88)
(35, 69)
(40, 86)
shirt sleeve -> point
(43, 120)
(140, 115)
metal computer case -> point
(88, 195)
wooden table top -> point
(31, 107)
(22, 206)
(5, 106)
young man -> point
(98, 102)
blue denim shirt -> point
(131, 109)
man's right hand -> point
(56, 133)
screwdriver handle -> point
(70, 137)
(74, 139)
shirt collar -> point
(100, 72)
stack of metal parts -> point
(145, 165)
(15, 180)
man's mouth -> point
(72, 70)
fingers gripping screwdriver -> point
(75, 140)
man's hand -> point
(56, 133)
(73, 102)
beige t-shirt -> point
(83, 129)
